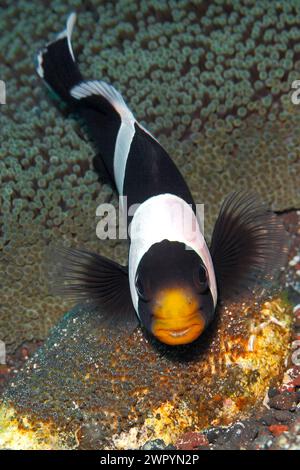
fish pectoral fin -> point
(249, 245)
(84, 276)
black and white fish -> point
(173, 281)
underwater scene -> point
(150, 225)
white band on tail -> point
(67, 33)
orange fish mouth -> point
(177, 318)
(177, 336)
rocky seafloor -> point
(212, 80)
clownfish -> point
(173, 281)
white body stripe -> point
(127, 129)
(122, 149)
(147, 132)
(166, 217)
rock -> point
(108, 388)
(274, 416)
(283, 416)
(272, 392)
(284, 401)
(263, 441)
(235, 436)
(278, 429)
(289, 440)
(192, 441)
(157, 444)
(242, 432)
(214, 434)
(267, 418)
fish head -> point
(175, 300)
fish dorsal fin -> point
(84, 276)
(248, 245)
(100, 88)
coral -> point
(210, 79)
(115, 390)
(20, 434)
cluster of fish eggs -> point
(211, 80)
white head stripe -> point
(166, 217)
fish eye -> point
(201, 279)
(140, 289)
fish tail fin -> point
(56, 64)
(100, 104)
